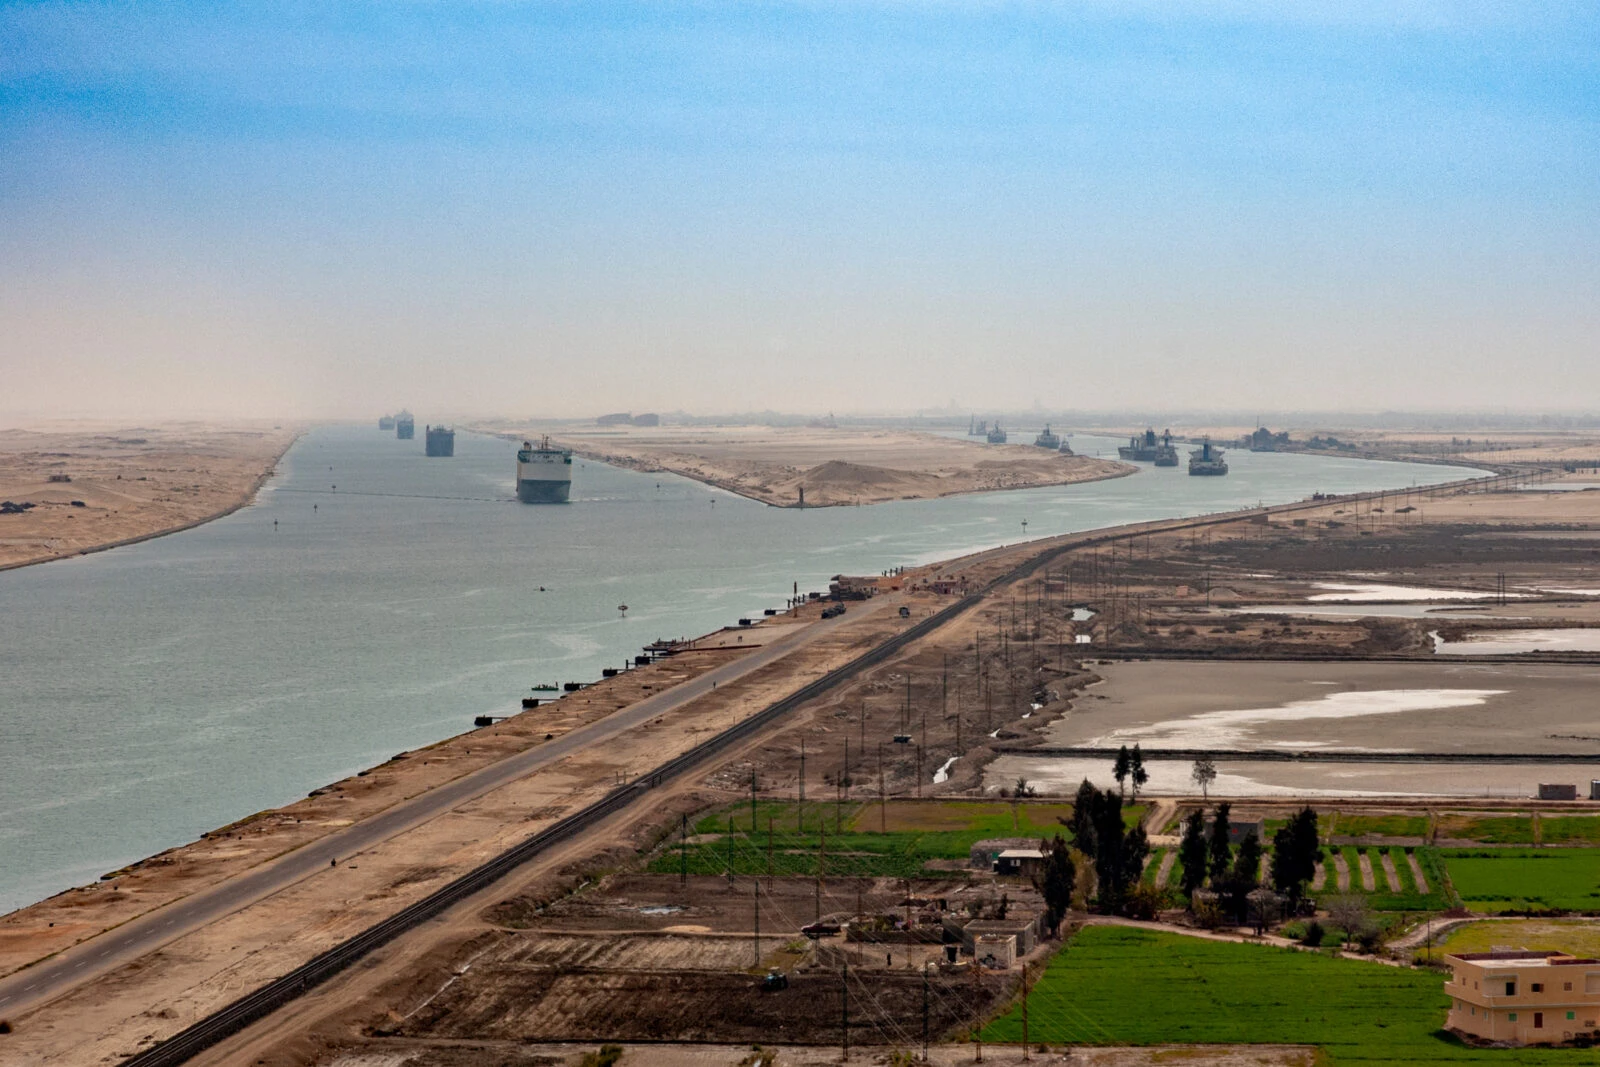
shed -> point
(983, 854)
(1550, 791)
(1019, 861)
(996, 950)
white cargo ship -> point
(544, 474)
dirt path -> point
(1320, 876)
(1164, 874)
(1390, 875)
(1417, 876)
(1368, 881)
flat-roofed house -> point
(1523, 998)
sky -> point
(328, 209)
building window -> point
(1511, 988)
(1538, 1020)
(1538, 987)
(1571, 1015)
(1567, 986)
(1512, 1016)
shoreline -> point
(248, 498)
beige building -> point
(1523, 998)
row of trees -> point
(1114, 853)
(1212, 860)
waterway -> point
(373, 600)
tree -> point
(1296, 851)
(1221, 850)
(1057, 881)
(1204, 773)
(1192, 854)
(1082, 822)
(1136, 770)
(1243, 880)
(1122, 768)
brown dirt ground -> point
(134, 482)
(835, 467)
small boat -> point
(996, 436)
(545, 688)
(1046, 439)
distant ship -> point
(1166, 455)
(1207, 459)
(996, 436)
(386, 422)
(976, 428)
(1141, 447)
(438, 441)
(405, 427)
(544, 474)
(1047, 439)
(1065, 449)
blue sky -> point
(317, 209)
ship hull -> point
(1208, 471)
(530, 491)
(1141, 455)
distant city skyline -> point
(314, 211)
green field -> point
(1116, 985)
(789, 839)
(1517, 879)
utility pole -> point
(1025, 1012)
(756, 889)
(752, 800)
(924, 1010)
(730, 848)
(683, 851)
(822, 849)
(919, 770)
(844, 1002)
(800, 810)
(883, 795)
(769, 846)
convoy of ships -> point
(1148, 447)
(544, 473)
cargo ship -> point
(386, 422)
(1207, 459)
(544, 474)
(1046, 439)
(1141, 447)
(405, 427)
(438, 441)
(996, 436)
(976, 428)
(1166, 455)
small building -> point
(1237, 831)
(1523, 998)
(983, 854)
(998, 951)
(852, 587)
(1022, 927)
(1553, 791)
(1019, 861)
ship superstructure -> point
(438, 441)
(996, 436)
(405, 427)
(386, 422)
(544, 474)
(1141, 447)
(1046, 439)
(1166, 454)
(1207, 459)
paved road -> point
(33, 986)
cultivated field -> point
(1115, 985)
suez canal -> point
(373, 600)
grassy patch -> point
(1380, 825)
(1490, 829)
(1115, 985)
(790, 839)
(1516, 879)
(1537, 935)
(1569, 829)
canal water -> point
(373, 600)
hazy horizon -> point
(332, 211)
